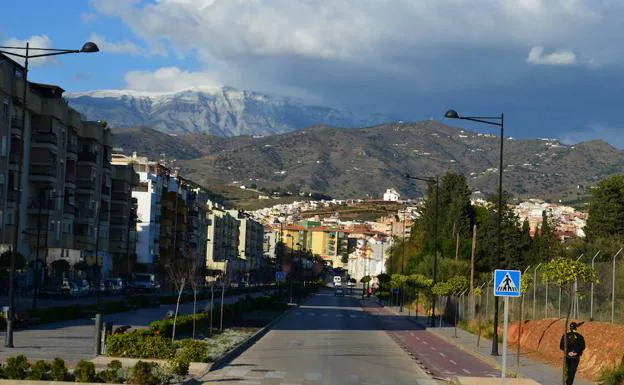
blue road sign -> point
(280, 276)
(507, 283)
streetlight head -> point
(451, 114)
(89, 47)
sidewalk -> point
(74, 340)
(535, 370)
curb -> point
(238, 350)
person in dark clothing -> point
(574, 351)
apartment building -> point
(250, 242)
(124, 206)
(171, 215)
(222, 242)
(65, 183)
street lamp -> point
(498, 121)
(88, 47)
(435, 231)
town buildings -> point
(84, 211)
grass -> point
(487, 328)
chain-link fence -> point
(601, 301)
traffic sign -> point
(280, 276)
(507, 283)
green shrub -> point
(39, 371)
(84, 371)
(179, 365)
(614, 376)
(58, 370)
(193, 350)
(111, 375)
(15, 368)
(143, 374)
(140, 344)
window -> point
(58, 230)
(10, 218)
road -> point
(328, 340)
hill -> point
(361, 163)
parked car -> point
(339, 292)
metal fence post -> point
(98, 334)
(535, 288)
(546, 302)
(591, 294)
(613, 287)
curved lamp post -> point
(498, 121)
(88, 47)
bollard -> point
(98, 334)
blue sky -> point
(555, 67)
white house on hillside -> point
(391, 195)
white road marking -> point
(297, 313)
(453, 362)
(311, 314)
(466, 371)
(418, 338)
(339, 315)
(442, 354)
(425, 342)
(433, 348)
(352, 316)
(324, 314)
(412, 334)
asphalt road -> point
(328, 340)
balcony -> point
(37, 206)
(12, 195)
(84, 214)
(14, 157)
(106, 190)
(107, 164)
(67, 209)
(45, 140)
(16, 122)
(86, 156)
(43, 173)
(85, 184)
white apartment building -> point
(391, 195)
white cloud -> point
(123, 47)
(303, 44)
(537, 56)
(36, 41)
(170, 79)
(612, 135)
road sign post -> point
(506, 284)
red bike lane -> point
(438, 356)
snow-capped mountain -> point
(223, 111)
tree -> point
(417, 282)
(606, 209)
(565, 272)
(192, 272)
(180, 272)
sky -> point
(554, 67)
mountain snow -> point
(223, 111)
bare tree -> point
(182, 271)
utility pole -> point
(472, 267)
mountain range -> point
(223, 111)
(364, 162)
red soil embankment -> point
(540, 339)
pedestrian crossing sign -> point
(507, 283)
